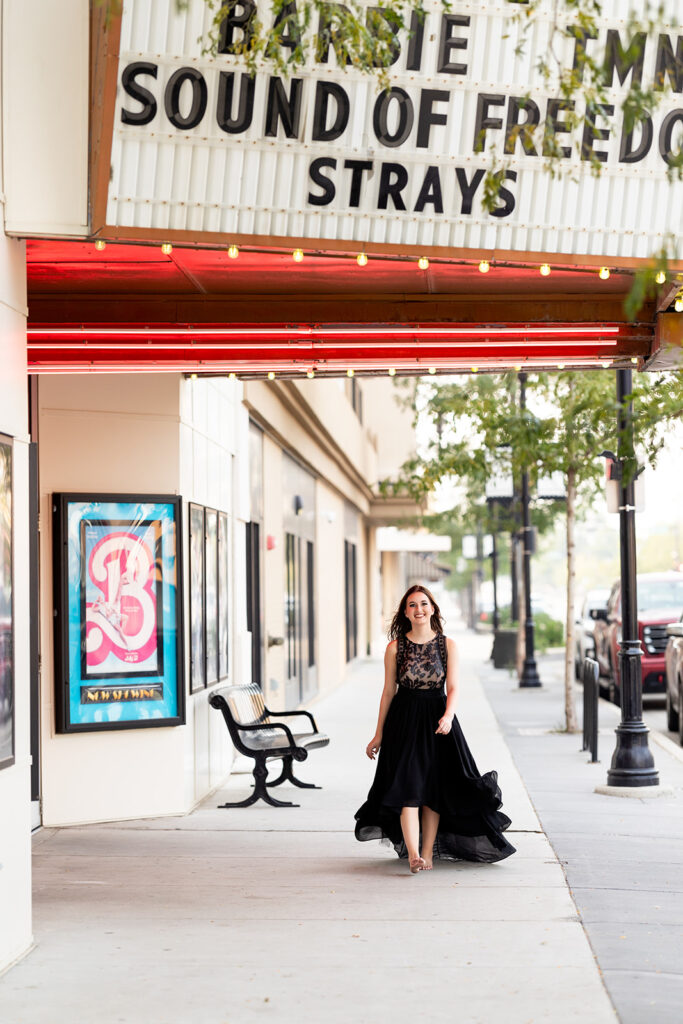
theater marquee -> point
(201, 151)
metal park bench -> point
(255, 734)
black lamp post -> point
(494, 578)
(530, 675)
(632, 760)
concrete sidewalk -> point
(279, 914)
(622, 856)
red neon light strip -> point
(311, 333)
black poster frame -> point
(7, 635)
(61, 595)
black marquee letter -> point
(629, 155)
(144, 96)
(506, 195)
(281, 107)
(327, 186)
(242, 22)
(430, 192)
(554, 126)
(393, 188)
(406, 117)
(245, 110)
(591, 134)
(468, 188)
(323, 92)
(666, 134)
(483, 122)
(624, 62)
(356, 167)
(416, 36)
(447, 43)
(291, 34)
(427, 117)
(172, 98)
(521, 130)
(668, 64)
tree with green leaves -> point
(569, 419)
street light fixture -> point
(529, 675)
(632, 760)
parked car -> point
(584, 634)
(660, 603)
(674, 679)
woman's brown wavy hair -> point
(400, 624)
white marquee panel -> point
(205, 180)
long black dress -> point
(418, 768)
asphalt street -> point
(621, 856)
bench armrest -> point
(288, 714)
(268, 725)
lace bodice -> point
(421, 666)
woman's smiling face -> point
(419, 609)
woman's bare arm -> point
(445, 722)
(387, 696)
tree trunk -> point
(571, 724)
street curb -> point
(666, 744)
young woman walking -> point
(428, 797)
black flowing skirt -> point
(417, 768)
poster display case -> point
(118, 611)
(6, 607)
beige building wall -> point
(330, 587)
(273, 574)
(15, 780)
(315, 422)
(46, 54)
(145, 433)
(389, 423)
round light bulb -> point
(193, 376)
(606, 365)
(310, 374)
(475, 369)
(361, 259)
(392, 372)
(423, 263)
(100, 244)
(678, 304)
(432, 369)
(660, 277)
(271, 375)
(517, 369)
(603, 273)
(544, 269)
(167, 248)
(350, 372)
(233, 252)
(484, 267)
(560, 366)
(232, 376)
(634, 359)
(298, 255)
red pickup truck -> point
(660, 602)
